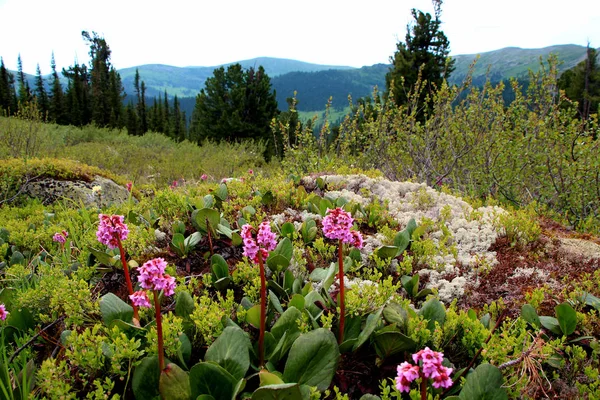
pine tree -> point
(8, 97)
(425, 53)
(235, 105)
(41, 94)
(77, 96)
(24, 90)
(166, 117)
(132, 119)
(178, 131)
(56, 106)
(582, 84)
(100, 80)
(116, 103)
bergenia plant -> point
(258, 250)
(429, 366)
(337, 225)
(61, 237)
(3, 312)
(111, 232)
(152, 277)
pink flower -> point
(140, 299)
(152, 277)
(204, 177)
(60, 237)
(111, 230)
(428, 356)
(357, 239)
(129, 185)
(442, 378)
(173, 185)
(337, 224)
(265, 238)
(406, 374)
(250, 171)
(3, 312)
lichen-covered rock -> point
(100, 192)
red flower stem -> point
(263, 311)
(342, 303)
(127, 277)
(161, 355)
(423, 388)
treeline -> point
(93, 95)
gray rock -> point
(50, 190)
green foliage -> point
(582, 84)
(235, 105)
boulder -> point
(100, 192)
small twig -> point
(20, 349)
(526, 353)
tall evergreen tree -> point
(8, 96)
(425, 50)
(100, 80)
(77, 96)
(56, 106)
(132, 119)
(235, 105)
(41, 94)
(24, 90)
(166, 116)
(117, 119)
(177, 122)
(582, 84)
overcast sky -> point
(334, 32)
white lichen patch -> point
(472, 231)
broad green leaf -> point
(204, 215)
(212, 379)
(372, 321)
(221, 284)
(221, 192)
(285, 391)
(236, 239)
(297, 301)
(145, 380)
(174, 383)
(387, 252)
(394, 313)
(192, 240)
(410, 284)
(401, 241)
(253, 316)
(567, 318)
(277, 262)
(390, 343)
(410, 227)
(185, 350)
(267, 378)
(112, 307)
(484, 384)
(184, 304)
(528, 313)
(268, 198)
(219, 266)
(285, 332)
(178, 244)
(369, 397)
(590, 300)
(275, 302)
(433, 311)
(287, 230)
(551, 324)
(313, 359)
(231, 351)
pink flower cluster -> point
(431, 368)
(111, 230)
(129, 186)
(60, 237)
(337, 224)
(204, 177)
(152, 277)
(264, 238)
(3, 312)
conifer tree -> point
(166, 116)
(77, 96)
(132, 119)
(24, 90)
(582, 84)
(41, 94)
(425, 50)
(8, 96)
(56, 106)
(116, 96)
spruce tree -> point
(24, 90)
(77, 96)
(41, 94)
(8, 97)
(56, 106)
(425, 51)
(582, 84)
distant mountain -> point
(514, 62)
(187, 81)
(315, 83)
